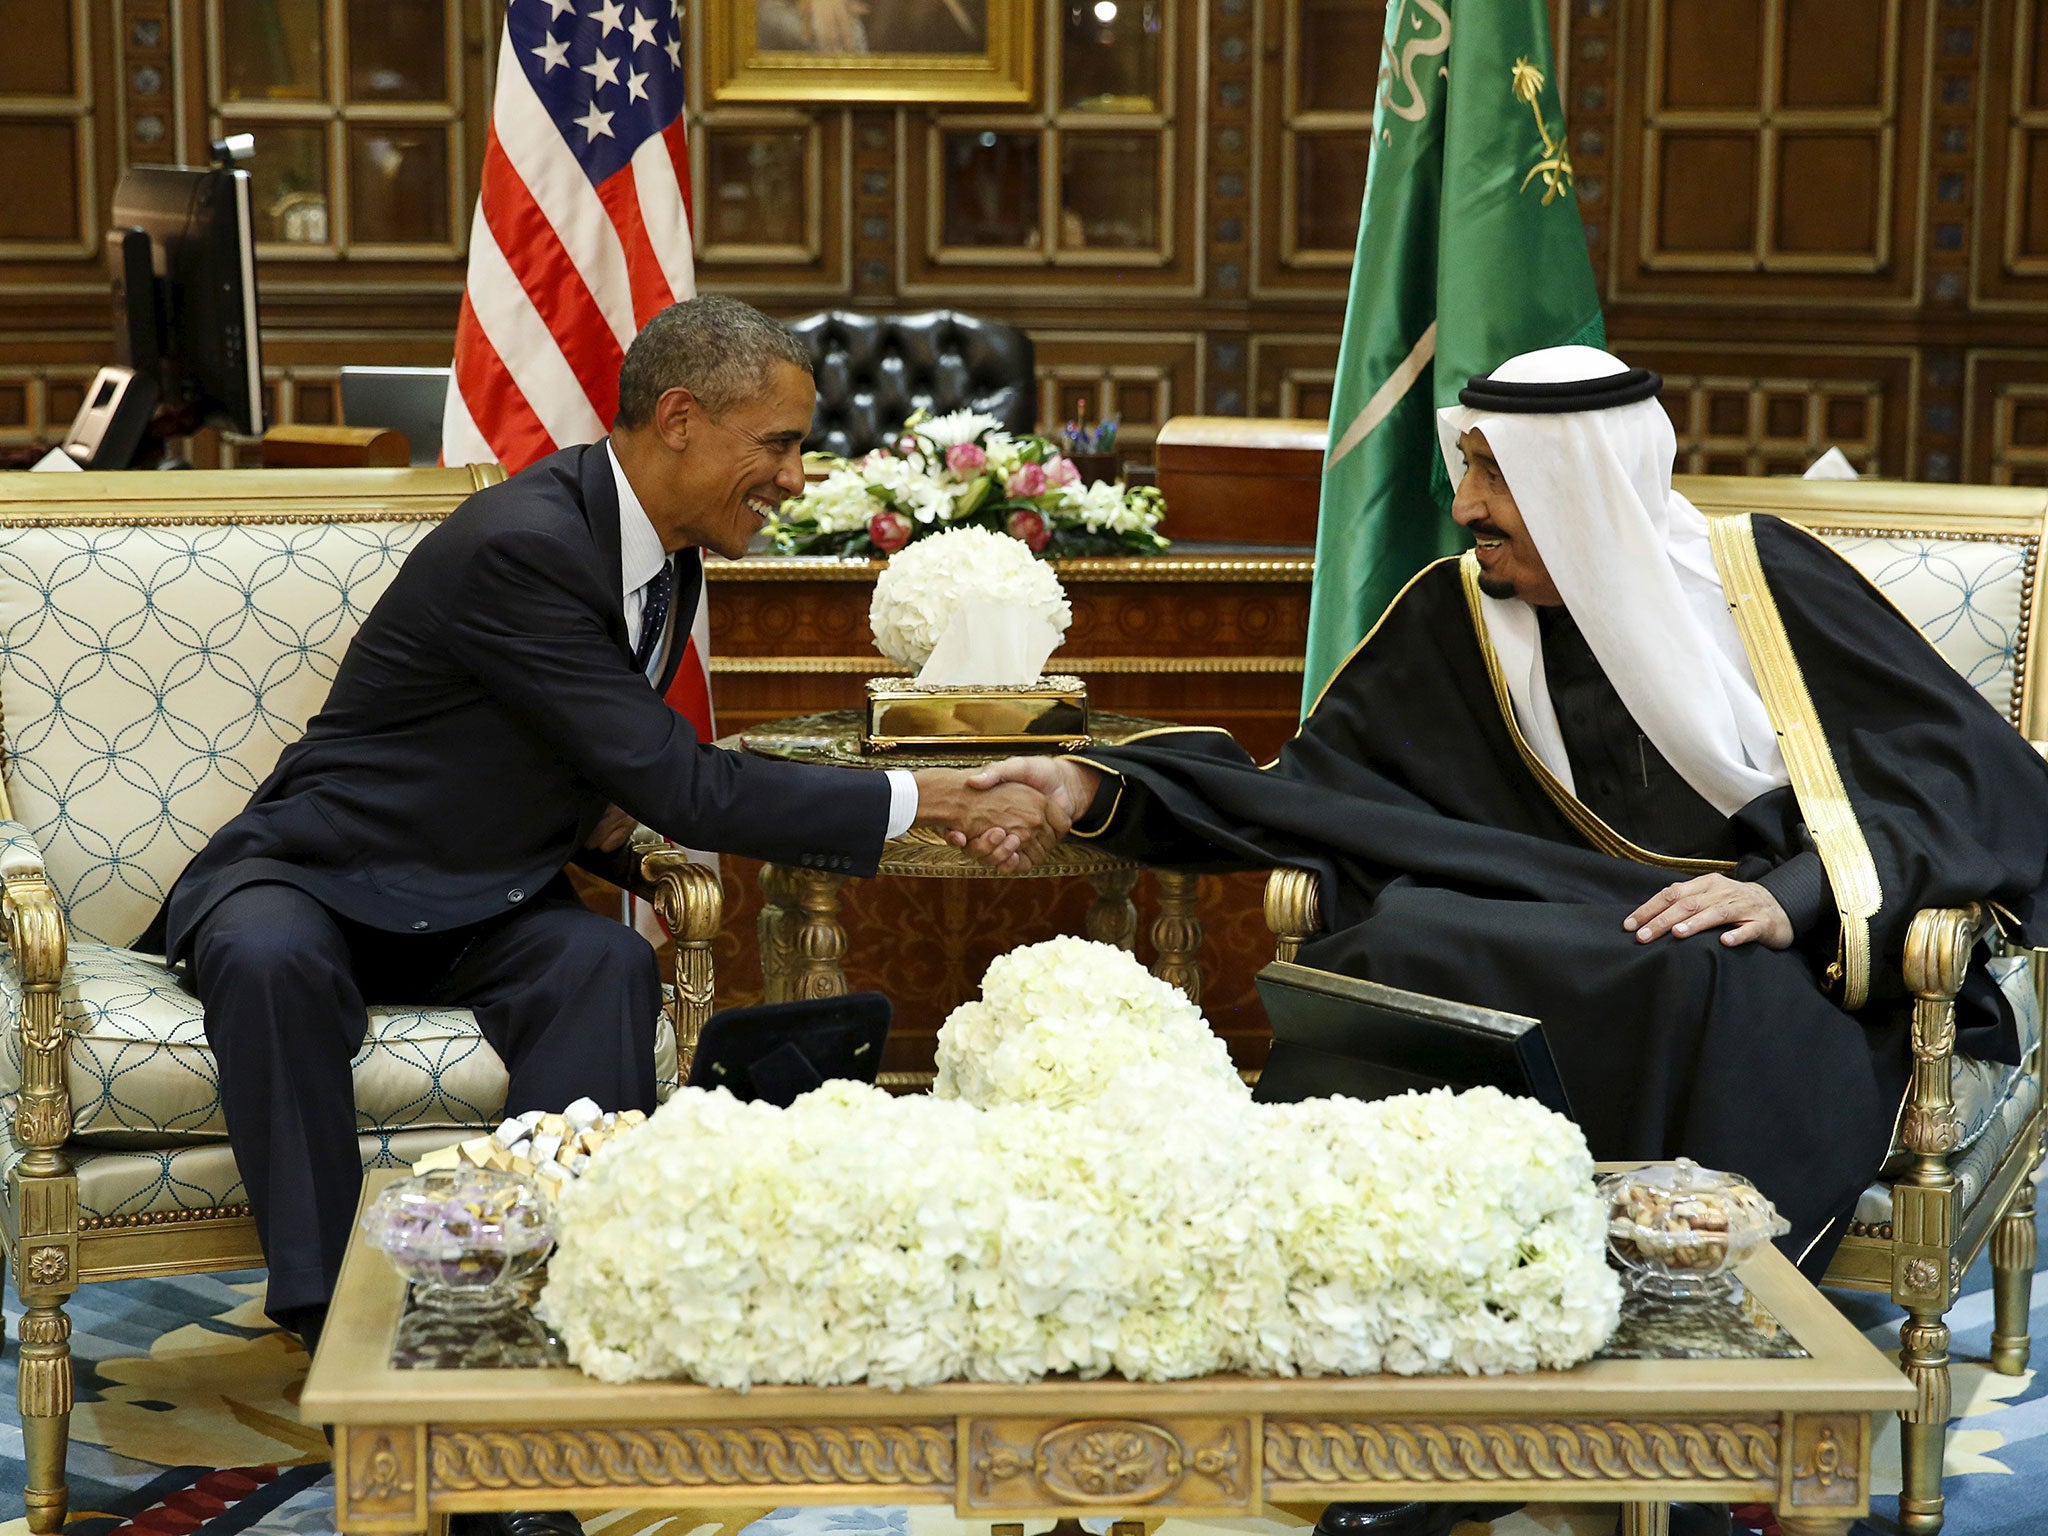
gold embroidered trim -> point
(1816, 780)
(1590, 826)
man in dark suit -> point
(499, 714)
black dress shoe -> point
(517, 1522)
(1413, 1518)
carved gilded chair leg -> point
(820, 938)
(777, 932)
(1177, 934)
(1923, 1428)
(45, 1397)
(1113, 916)
(1652, 1519)
(2013, 1251)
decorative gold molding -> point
(1308, 1452)
(1816, 780)
(1024, 1464)
(751, 1455)
(862, 666)
(163, 1218)
(1162, 568)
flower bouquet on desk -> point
(975, 617)
(963, 470)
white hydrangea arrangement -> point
(1088, 1189)
(924, 586)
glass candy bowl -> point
(1677, 1229)
(463, 1236)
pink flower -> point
(966, 458)
(1031, 527)
(1027, 480)
(1060, 471)
(906, 445)
(888, 531)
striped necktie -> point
(655, 598)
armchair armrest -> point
(692, 904)
(1938, 948)
(1294, 909)
(33, 923)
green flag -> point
(1470, 250)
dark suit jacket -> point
(483, 717)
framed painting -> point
(913, 51)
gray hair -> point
(719, 349)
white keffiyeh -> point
(1631, 558)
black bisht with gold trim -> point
(1450, 866)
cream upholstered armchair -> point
(1964, 564)
(162, 639)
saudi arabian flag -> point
(1470, 250)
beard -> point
(1496, 588)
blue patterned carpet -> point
(187, 1423)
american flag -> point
(581, 234)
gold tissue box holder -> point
(1049, 715)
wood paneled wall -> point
(1826, 221)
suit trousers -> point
(567, 997)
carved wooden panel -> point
(37, 404)
(1293, 373)
(149, 50)
(2009, 394)
(1763, 410)
(1773, 135)
(1142, 378)
(2012, 245)
(1026, 1465)
(48, 150)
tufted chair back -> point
(874, 370)
(154, 662)
(1961, 562)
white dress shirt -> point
(641, 558)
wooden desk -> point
(1201, 635)
(413, 1445)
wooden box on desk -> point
(1241, 479)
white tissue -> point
(995, 647)
(1832, 465)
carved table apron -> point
(413, 1445)
(803, 942)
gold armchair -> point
(1950, 1188)
(113, 1152)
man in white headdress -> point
(1676, 788)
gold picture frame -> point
(916, 51)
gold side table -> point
(803, 941)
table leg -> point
(776, 930)
(1113, 919)
(820, 945)
(1645, 1519)
(1177, 933)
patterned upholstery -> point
(149, 678)
(1968, 596)
(141, 1073)
(150, 675)
(145, 1180)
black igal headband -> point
(1509, 398)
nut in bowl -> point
(1678, 1229)
(465, 1237)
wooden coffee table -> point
(1793, 1430)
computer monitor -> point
(408, 400)
(182, 253)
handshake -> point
(1009, 814)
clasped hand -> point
(1009, 826)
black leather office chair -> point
(874, 370)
